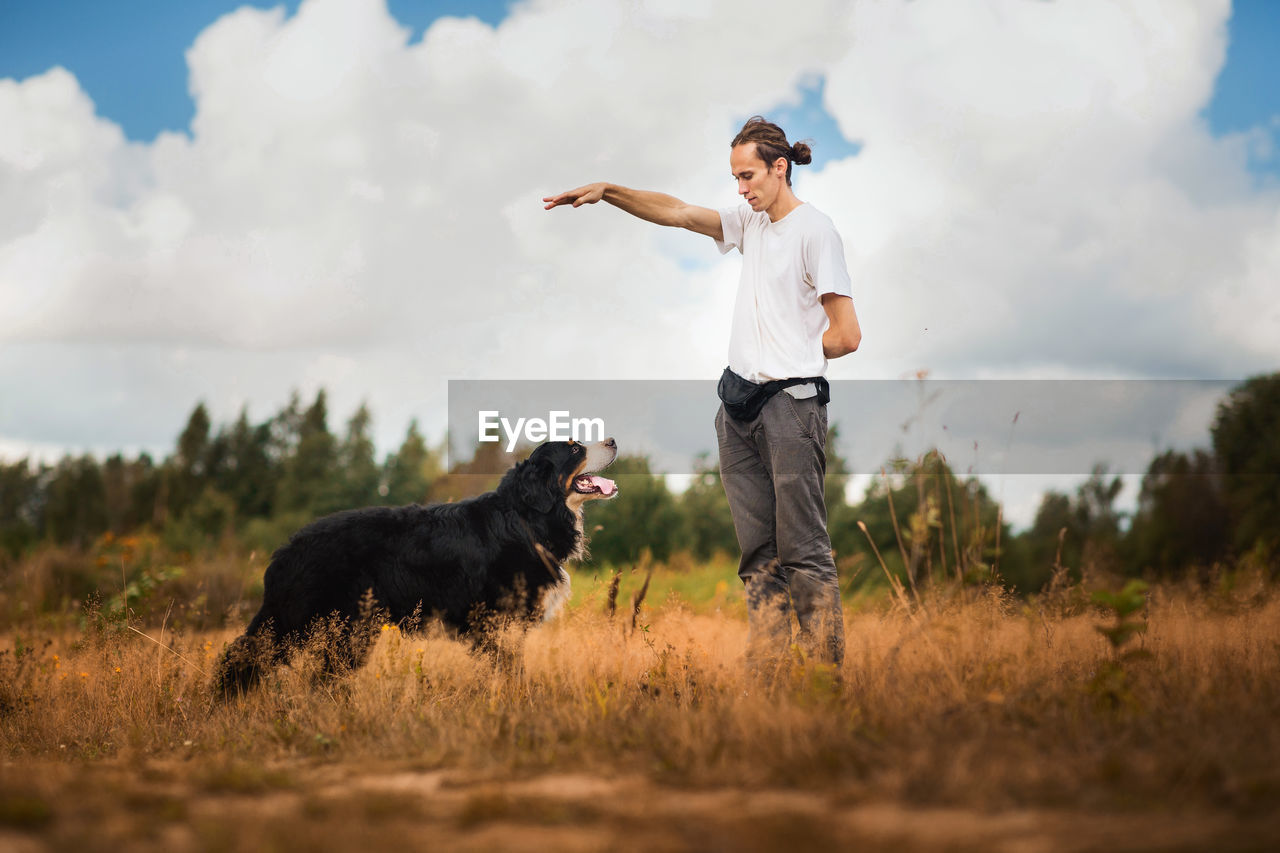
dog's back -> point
(408, 561)
(404, 555)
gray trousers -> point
(773, 470)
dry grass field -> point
(972, 721)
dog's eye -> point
(577, 448)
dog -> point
(499, 554)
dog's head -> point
(563, 471)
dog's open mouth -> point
(590, 484)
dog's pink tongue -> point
(606, 486)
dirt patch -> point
(164, 806)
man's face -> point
(758, 182)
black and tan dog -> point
(500, 553)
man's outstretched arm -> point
(650, 206)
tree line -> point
(251, 484)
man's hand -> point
(650, 206)
(590, 194)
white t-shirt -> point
(787, 266)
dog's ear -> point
(536, 485)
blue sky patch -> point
(809, 120)
(1247, 94)
(129, 58)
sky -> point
(206, 201)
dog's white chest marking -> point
(556, 596)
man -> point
(794, 311)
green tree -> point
(186, 471)
(305, 486)
(1092, 526)
(193, 443)
(708, 524)
(76, 508)
(130, 488)
(924, 522)
(212, 516)
(644, 515)
(358, 472)
(837, 478)
(286, 431)
(1055, 537)
(1246, 442)
(20, 506)
(1181, 522)
(409, 472)
(252, 473)
(145, 488)
(1096, 507)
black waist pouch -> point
(743, 399)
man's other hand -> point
(589, 194)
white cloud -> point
(1036, 188)
(1035, 194)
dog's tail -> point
(243, 663)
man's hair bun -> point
(771, 143)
